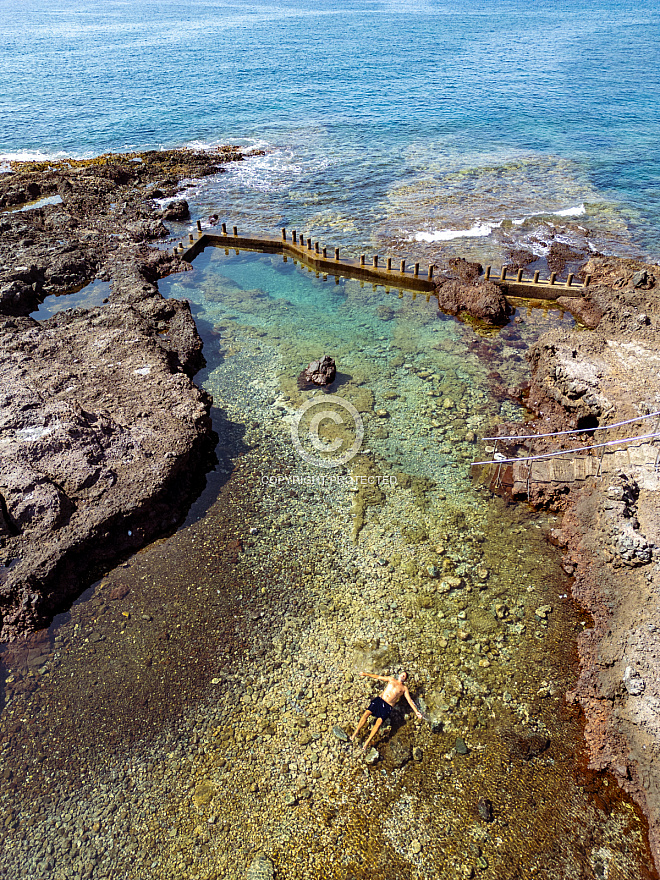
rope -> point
(566, 451)
(574, 431)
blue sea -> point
(187, 717)
(429, 127)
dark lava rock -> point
(105, 437)
(465, 270)
(176, 210)
(525, 746)
(519, 258)
(560, 254)
(483, 300)
(107, 209)
(100, 451)
(485, 809)
(588, 309)
(321, 373)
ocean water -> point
(431, 126)
(178, 720)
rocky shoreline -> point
(610, 532)
(105, 438)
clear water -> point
(86, 298)
(379, 122)
(179, 719)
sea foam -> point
(483, 228)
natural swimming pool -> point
(180, 719)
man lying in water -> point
(381, 707)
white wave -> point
(575, 211)
(479, 230)
(277, 169)
(243, 143)
(27, 156)
(40, 156)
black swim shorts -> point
(380, 708)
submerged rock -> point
(461, 746)
(525, 746)
(203, 794)
(321, 373)
(260, 868)
(398, 752)
(633, 681)
(485, 809)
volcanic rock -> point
(176, 210)
(104, 437)
(100, 450)
(560, 254)
(321, 372)
(525, 746)
(483, 300)
(464, 269)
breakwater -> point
(378, 271)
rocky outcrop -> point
(560, 254)
(104, 206)
(319, 373)
(610, 530)
(464, 269)
(104, 438)
(100, 451)
(483, 300)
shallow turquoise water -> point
(381, 341)
(380, 123)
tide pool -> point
(183, 715)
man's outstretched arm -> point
(377, 677)
(406, 693)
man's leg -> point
(374, 731)
(363, 721)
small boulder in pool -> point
(321, 372)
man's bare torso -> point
(394, 690)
